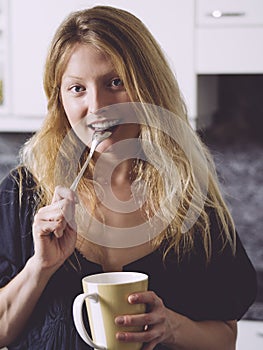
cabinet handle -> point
(219, 14)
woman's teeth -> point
(105, 125)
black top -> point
(222, 290)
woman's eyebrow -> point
(67, 77)
(107, 75)
(110, 74)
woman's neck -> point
(114, 171)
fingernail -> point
(133, 298)
(119, 320)
(121, 336)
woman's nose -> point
(96, 99)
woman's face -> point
(89, 84)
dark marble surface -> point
(235, 138)
(240, 170)
(10, 144)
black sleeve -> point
(16, 215)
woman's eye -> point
(77, 88)
(116, 82)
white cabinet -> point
(199, 37)
(33, 23)
(229, 13)
(229, 36)
(228, 40)
(4, 56)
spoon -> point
(97, 138)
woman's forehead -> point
(86, 55)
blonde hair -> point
(148, 79)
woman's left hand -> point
(157, 323)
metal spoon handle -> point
(75, 183)
(97, 138)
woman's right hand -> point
(54, 230)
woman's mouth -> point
(101, 126)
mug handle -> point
(77, 317)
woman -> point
(104, 70)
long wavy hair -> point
(184, 189)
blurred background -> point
(215, 48)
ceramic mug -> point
(106, 295)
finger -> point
(149, 298)
(55, 217)
(49, 213)
(62, 209)
(65, 200)
(137, 320)
(44, 228)
(63, 192)
(72, 225)
(149, 336)
(68, 210)
(60, 227)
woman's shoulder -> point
(16, 215)
(17, 177)
(17, 191)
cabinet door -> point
(34, 23)
(230, 13)
(229, 36)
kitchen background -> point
(213, 47)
